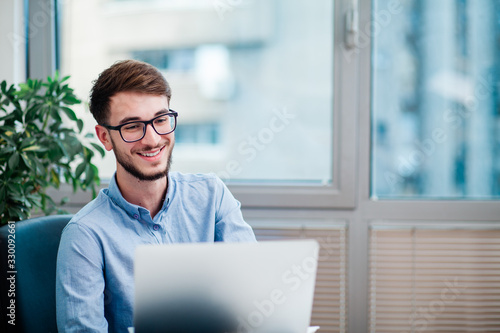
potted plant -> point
(41, 145)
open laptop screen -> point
(225, 287)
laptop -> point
(264, 287)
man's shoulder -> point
(93, 212)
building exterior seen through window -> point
(435, 100)
(252, 80)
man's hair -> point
(125, 76)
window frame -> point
(339, 194)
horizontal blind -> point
(434, 280)
(329, 306)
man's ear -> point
(103, 135)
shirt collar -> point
(115, 195)
(134, 210)
(170, 192)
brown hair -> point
(126, 75)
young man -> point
(144, 204)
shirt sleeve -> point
(80, 282)
(229, 223)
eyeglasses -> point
(135, 130)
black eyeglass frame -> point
(146, 123)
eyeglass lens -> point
(135, 131)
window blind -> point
(329, 306)
(425, 279)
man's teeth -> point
(150, 154)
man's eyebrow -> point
(129, 119)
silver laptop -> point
(263, 287)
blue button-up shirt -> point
(95, 283)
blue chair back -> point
(36, 245)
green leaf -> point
(80, 169)
(75, 184)
(90, 174)
(64, 79)
(54, 178)
(13, 161)
(35, 148)
(34, 199)
(79, 123)
(70, 113)
(7, 150)
(29, 162)
(55, 115)
(32, 113)
(17, 212)
(28, 142)
(39, 166)
(62, 150)
(99, 149)
(70, 99)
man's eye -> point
(131, 127)
(161, 120)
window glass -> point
(252, 80)
(435, 99)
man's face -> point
(149, 158)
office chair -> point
(36, 245)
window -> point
(261, 96)
(434, 108)
(179, 60)
(435, 100)
(206, 133)
(229, 74)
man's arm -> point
(229, 223)
(80, 282)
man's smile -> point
(150, 153)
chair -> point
(36, 245)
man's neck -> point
(147, 194)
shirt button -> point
(156, 227)
(136, 216)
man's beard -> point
(131, 169)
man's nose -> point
(151, 137)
